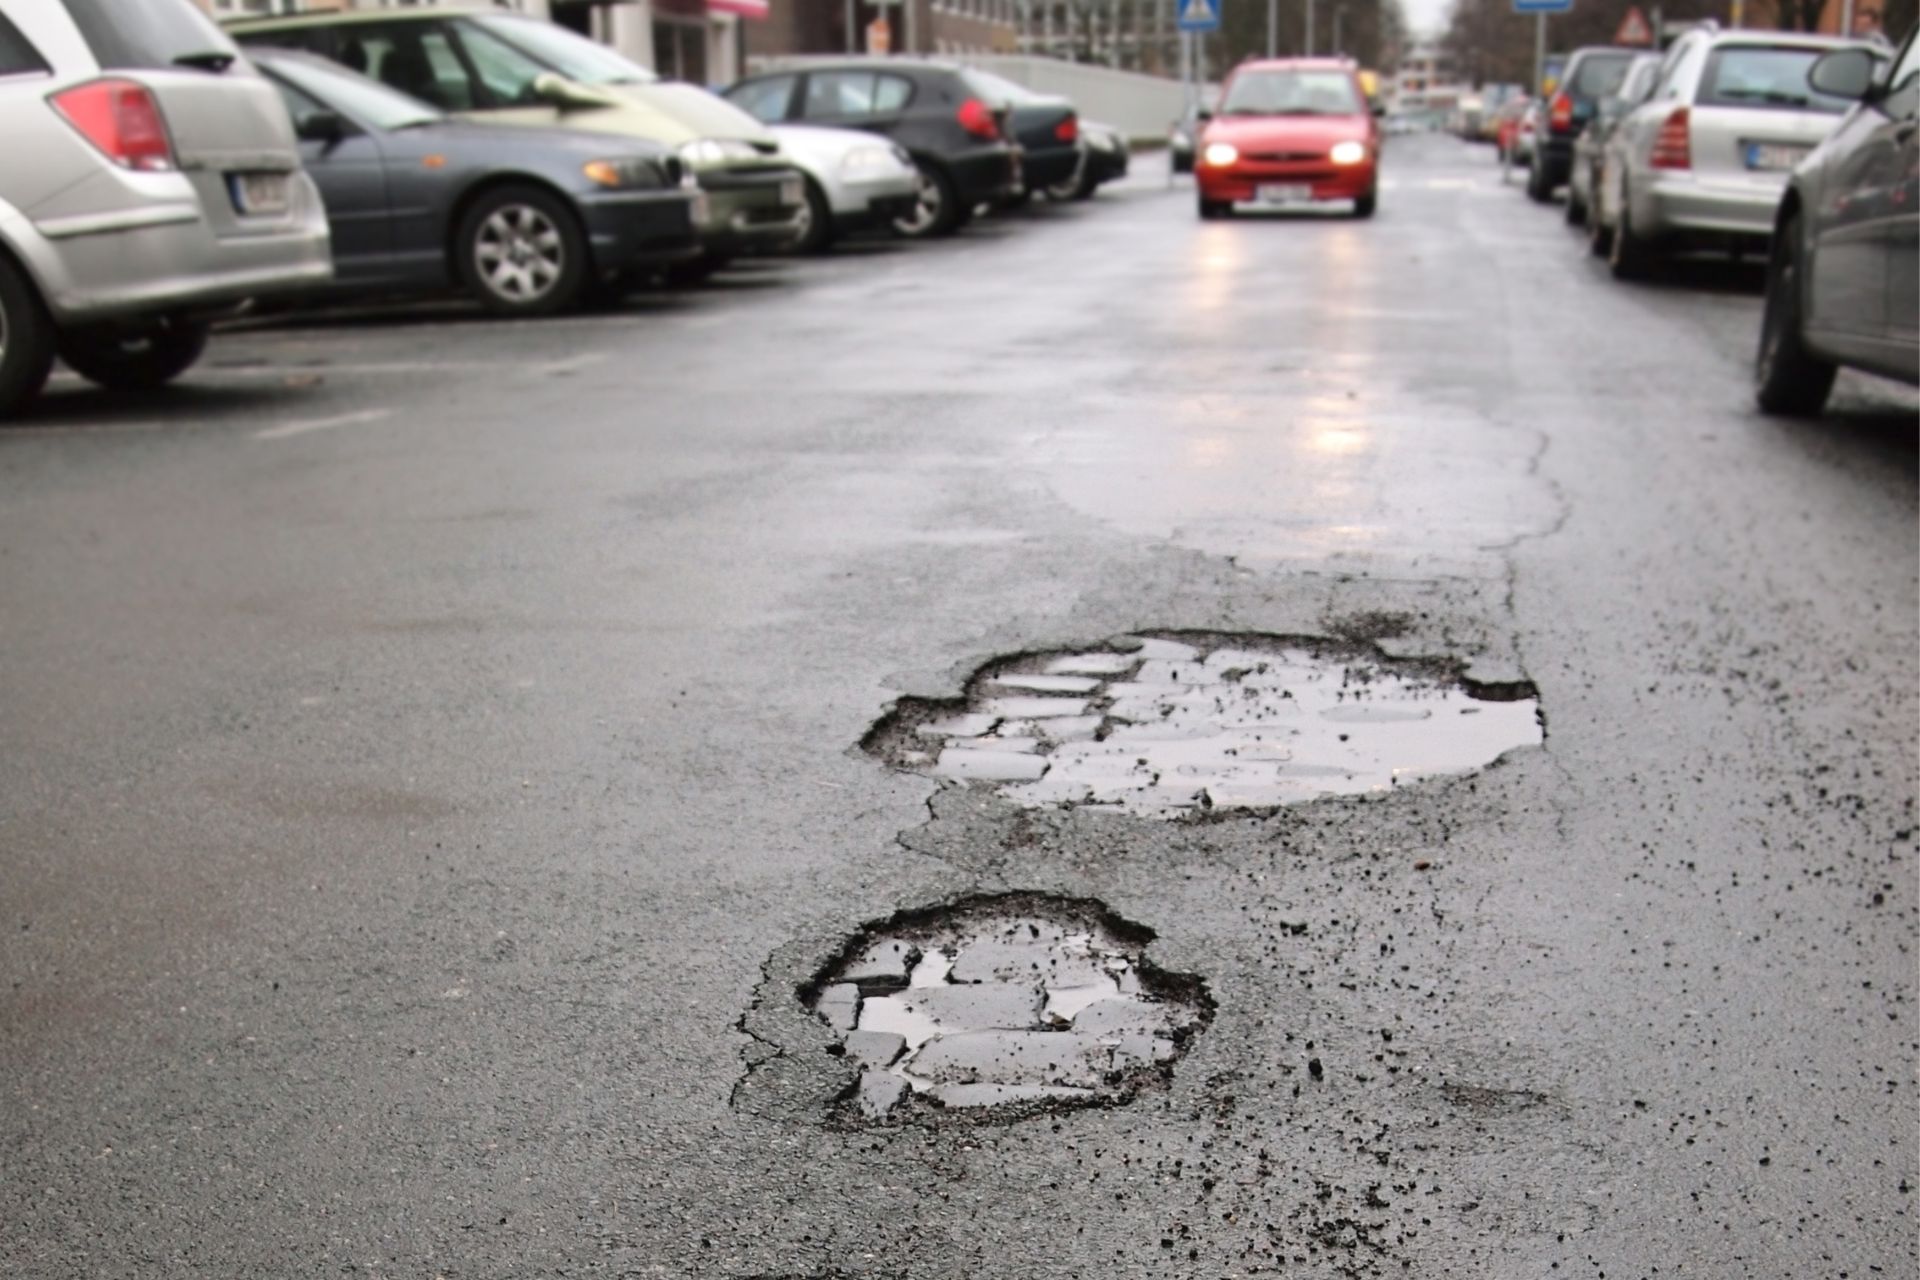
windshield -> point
(142, 35)
(1292, 93)
(367, 101)
(573, 56)
(1761, 77)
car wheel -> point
(134, 359)
(1539, 190)
(1076, 187)
(938, 211)
(816, 222)
(26, 340)
(1576, 207)
(1211, 209)
(1599, 239)
(1365, 205)
(1787, 378)
(1629, 254)
(520, 252)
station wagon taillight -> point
(1561, 112)
(1067, 130)
(1671, 147)
(122, 119)
(977, 120)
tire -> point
(134, 359)
(816, 227)
(519, 250)
(1539, 190)
(1366, 204)
(1630, 255)
(1214, 209)
(939, 212)
(1078, 187)
(1576, 207)
(1788, 380)
(26, 340)
(1599, 239)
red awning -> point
(745, 8)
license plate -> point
(257, 193)
(1283, 193)
(792, 190)
(1774, 157)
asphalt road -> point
(430, 769)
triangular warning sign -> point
(1197, 11)
(1634, 29)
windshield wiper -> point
(212, 60)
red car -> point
(1290, 132)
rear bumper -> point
(1106, 166)
(126, 265)
(640, 228)
(1679, 204)
(1041, 169)
(1239, 182)
(1556, 155)
(985, 174)
(752, 210)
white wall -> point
(1140, 106)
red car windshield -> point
(1292, 93)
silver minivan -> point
(150, 183)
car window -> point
(1292, 93)
(505, 73)
(1903, 94)
(892, 93)
(136, 35)
(364, 99)
(17, 57)
(1757, 76)
(764, 100)
(841, 93)
(1600, 74)
(574, 56)
(417, 58)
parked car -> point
(515, 70)
(954, 129)
(525, 220)
(1591, 74)
(855, 182)
(1183, 137)
(1584, 173)
(1704, 161)
(1104, 156)
(1045, 126)
(151, 183)
(1513, 132)
(1843, 282)
(1291, 132)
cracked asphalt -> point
(431, 770)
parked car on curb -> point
(954, 129)
(1291, 132)
(1591, 74)
(1104, 156)
(150, 183)
(1584, 174)
(855, 182)
(1045, 126)
(1843, 281)
(1513, 132)
(1704, 161)
(527, 221)
(511, 69)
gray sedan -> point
(526, 220)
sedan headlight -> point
(869, 162)
(625, 173)
(1348, 152)
(1221, 153)
(705, 153)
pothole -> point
(1168, 725)
(1005, 1000)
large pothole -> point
(1172, 724)
(1003, 1000)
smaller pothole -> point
(1004, 1000)
(1164, 726)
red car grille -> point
(1286, 157)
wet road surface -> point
(432, 799)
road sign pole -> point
(1273, 28)
(1539, 53)
(1309, 28)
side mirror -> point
(566, 94)
(1844, 73)
(320, 126)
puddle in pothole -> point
(1159, 726)
(1006, 1000)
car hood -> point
(1287, 133)
(469, 136)
(707, 115)
(822, 143)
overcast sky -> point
(1428, 17)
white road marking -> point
(286, 429)
(78, 428)
(573, 364)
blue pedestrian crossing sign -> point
(1543, 6)
(1199, 15)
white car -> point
(855, 181)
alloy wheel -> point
(927, 206)
(520, 253)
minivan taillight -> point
(1067, 130)
(1561, 113)
(122, 119)
(977, 120)
(1671, 147)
